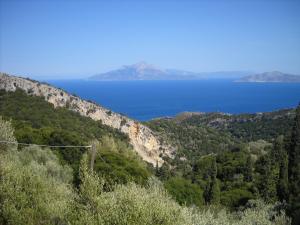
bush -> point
(119, 164)
(257, 212)
(133, 205)
(31, 192)
(184, 191)
(33, 189)
(6, 134)
(236, 197)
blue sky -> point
(69, 39)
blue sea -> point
(145, 100)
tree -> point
(185, 192)
(267, 180)
(249, 169)
(294, 158)
(163, 172)
(283, 185)
(277, 150)
(215, 192)
(294, 168)
(212, 191)
(280, 162)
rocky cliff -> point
(143, 140)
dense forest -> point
(202, 133)
(242, 169)
(232, 159)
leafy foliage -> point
(214, 165)
(247, 127)
(6, 133)
(192, 140)
(185, 192)
(294, 168)
(37, 121)
(35, 188)
(118, 164)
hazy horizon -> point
(62, 39)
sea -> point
(146, 100)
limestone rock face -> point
(143, 140)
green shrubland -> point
(35, 188)
(215, 177)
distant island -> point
(145, 71)
(274, 76)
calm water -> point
(144, 100)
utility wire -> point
(52, 146)
(49, 146)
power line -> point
(49, 146)
(52, 146)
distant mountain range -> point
(274, 76)
(144, 71)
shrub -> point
(235, 197)
(33, 189)
(184, 191)
(117, 163)
(134, 205)
(6, 134)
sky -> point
(73, 39)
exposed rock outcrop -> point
(143, 140)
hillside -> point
(246, 127)
(36, 121)
(232, 158)
(143, 140)
(274, 76)
(197, 134)
(228, 163)
(36, 185)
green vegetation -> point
(36, 189)
(185, 192)
(192, 140)
(250, 157)
(218, 175)
(246, 127)
(118, 164)
(6, 134)
(37, 121)
(294, 168)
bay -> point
(145, 100)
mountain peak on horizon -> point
(142, 66)
(145, 71)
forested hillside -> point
(37, 121)
(216, 176)
(230, 159)
(247, 127)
